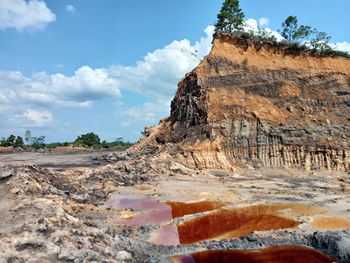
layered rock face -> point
(262, 104)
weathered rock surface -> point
(261, 104)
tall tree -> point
(19, 142)
(292, 32)
(10, 141)
(230, 18)
(28, 136)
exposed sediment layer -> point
(262, 104)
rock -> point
(123, 256)
(29, 245)
(6, 174)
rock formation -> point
(261, 104)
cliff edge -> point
(260, 104)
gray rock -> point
(124, 256)
(6, 174)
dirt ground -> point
(59, 215)
(56, 160)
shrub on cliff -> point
(230, 18)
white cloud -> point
(156, 77)
(79, 90)
(264, 21)
(253, 26)
(38, 118)
(147, 114)
(342, 46)
(70, 9)
(21, 14)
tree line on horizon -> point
(88, 140)
(231, 20)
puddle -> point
(224, 224)
(274, 254)
(158, 212)
(179, 209)
(330, 223)
(165, 235)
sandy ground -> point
(56, 160)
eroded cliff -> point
(261, 104)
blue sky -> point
(69, 67)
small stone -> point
(124, 256)
(6, 174)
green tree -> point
(230, 18)
(292, 32)
(19, 142)
(28, 136)
(320, 41)
(2, 142)
(263, 34)
(10, 141)
(88, 139)
(37, 142)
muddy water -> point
(158, 212)
(274, 254)
(224, 224)
(220, 224)
(229, 224)
(179, 209)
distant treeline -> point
(88, 140)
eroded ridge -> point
(263, 105)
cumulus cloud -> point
(156, 77)
(342, 46)
(21, 14)
(264, 21)
(39, 118)
(70, 9)
(80, 89)
(252, 25)
(147, 114)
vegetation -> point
(12, 141)
(292, 32)
(89, 140)
(297, 37)
(93, 140)
(230, 18)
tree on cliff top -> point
(292, 32)
(230, 18)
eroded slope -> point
(261, 104)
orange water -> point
(274, 254)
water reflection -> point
(158, 212)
